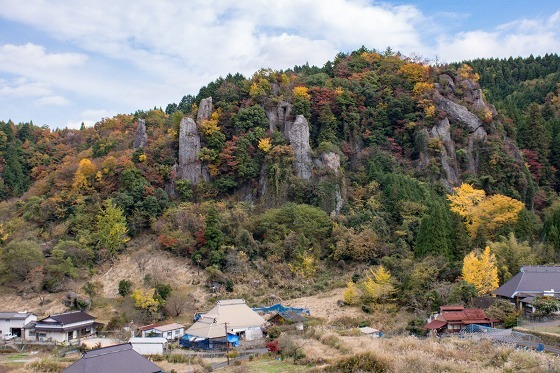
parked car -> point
(8, 337)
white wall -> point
(253, 333)
(59, 337)
(172, 334)
(148, 347)
(6, 325)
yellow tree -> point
(83, 175)
(144, 300)
(305, 266)
(378, 286)
(265, 144)
(350, 294)
(481, 271)
(465, 199)
(479, 211)
(493, 213)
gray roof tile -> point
(117, 359)
(532, 280)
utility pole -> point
(227, 344)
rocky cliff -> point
(299, 140)
(140, 136)
(190, 167)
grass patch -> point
(269, 366)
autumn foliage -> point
(480, 270)
(487, 214)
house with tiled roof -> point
(451, 319)
(531, 282)
(228, 322)
(62, 327)
(113, 359)
(167, 331)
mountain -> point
(276, 182)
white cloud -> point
(22, 87)
(23, 58)
(518, 38)
(53, 100)
(125, 56)
(89, 117)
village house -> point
(149, 345)
(451, 319)
(168, 331)
(531, 282)
(232, 316)
(11, 323)
(288, 318)
(63, 327)
(113, 359)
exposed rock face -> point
(141, 136)
(329, 160)
(299, 140)
(461, 114)
(446, 79)
(277, 116)
(448, 162)
(190, 167)
(204, 109)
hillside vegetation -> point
(374, 172)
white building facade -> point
(63, 327)
(13, 322)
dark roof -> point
(293, 316)
(532, 280)
(30, 325)
(69, 317)
(119, 358)
(15, 315)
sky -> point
(66, 62)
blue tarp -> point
(197, 316)
(281, 308)
(191, 341)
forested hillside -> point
(291, 182)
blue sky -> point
(67, 62)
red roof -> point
(148, 327)
(435, 324)
(466, 316)
(451, 308)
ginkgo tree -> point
(480, 270)
(378, 285)
(481, 212)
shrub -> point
(125, 287)
(46, 365)
(364, 362)
(273, 332)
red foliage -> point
(167, 242)
(228, 162)
(273, 346)
(199, 237)
(321, 97)
(532, 160)
(394, 147)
